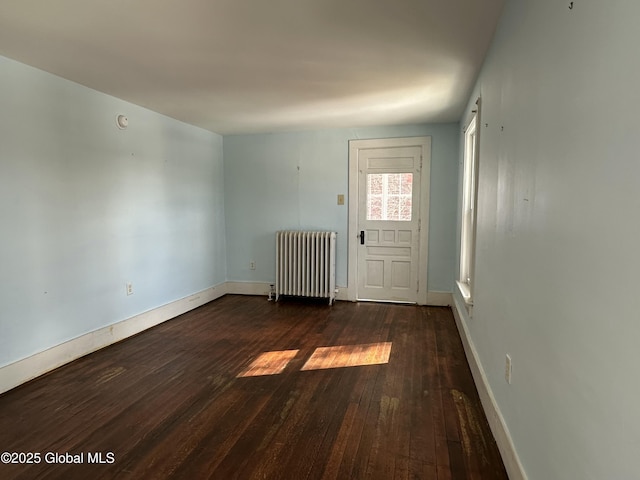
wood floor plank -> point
(169, 402)
(332, 465)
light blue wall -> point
(85, 208)
(557, 248)
(291, 181)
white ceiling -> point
(247, 66)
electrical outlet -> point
(129, 288)
(507, 368)
(252, 265)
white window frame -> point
(469, 206)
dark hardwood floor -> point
(168, 403)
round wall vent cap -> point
(122, 122)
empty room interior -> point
(449, 296)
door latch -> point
(361, 237)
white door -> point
(388, 224)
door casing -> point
(355, 146)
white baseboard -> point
(510, 457)
(21, 371)
(263, 288)
(436, 299)
(439, 299)
(248, 288)
(343, 294)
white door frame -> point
(354, 238)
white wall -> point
(291, 181)
(558, 234)
(85, 208)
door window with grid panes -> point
(389, 196)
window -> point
(389, 196)
(469, 199)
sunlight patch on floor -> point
(269, 363)
(349, 356)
